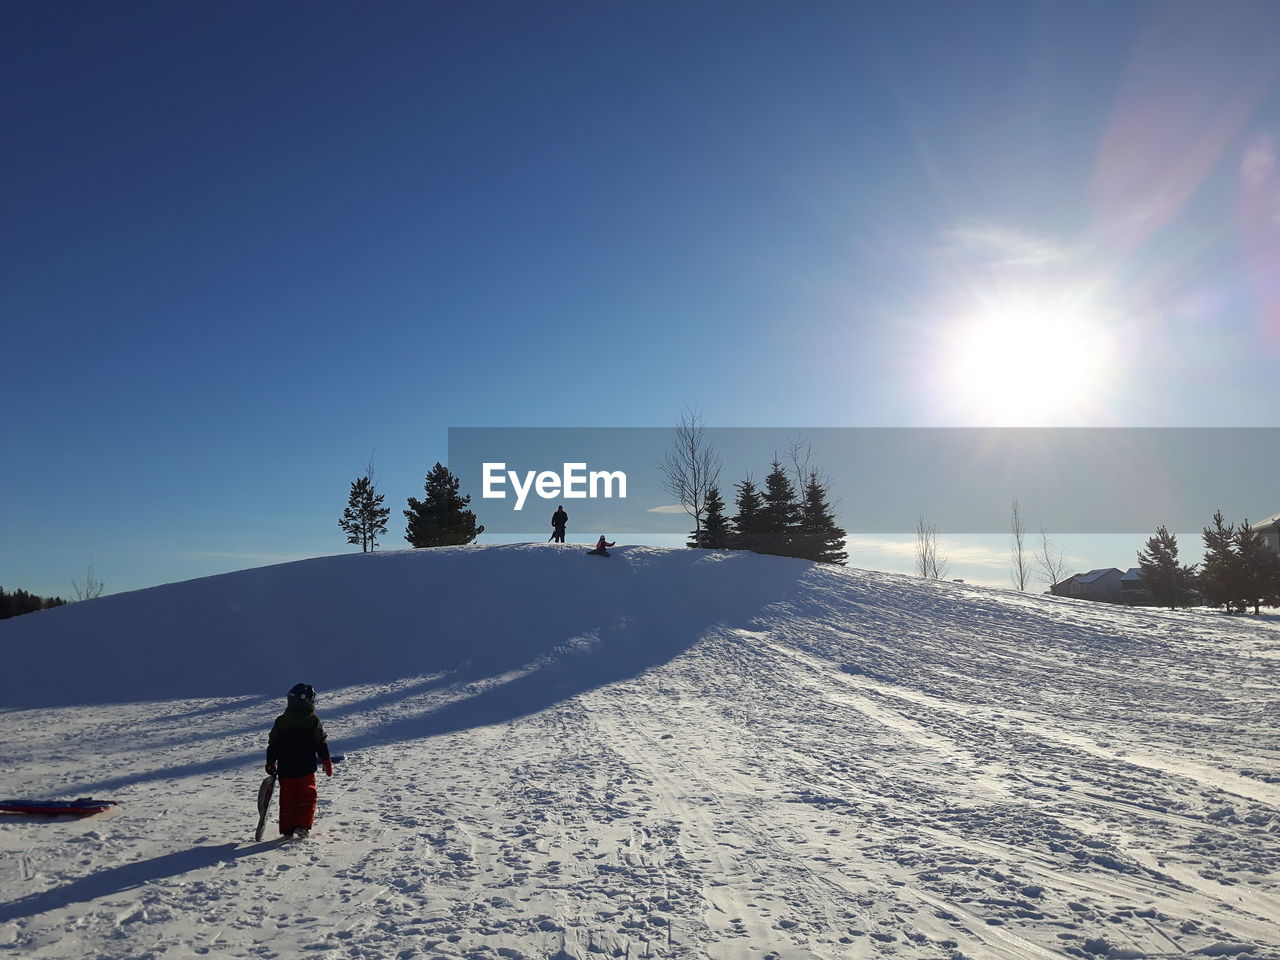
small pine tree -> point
(1220, 573)
(1168, 580)
(365, 518)
(441, 519)
(780, 513)
(820, 538)
(717, 529)
(1259, 569)
(746, 523)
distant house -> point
(1103, 584)
(1270, 530)
(1133, 588)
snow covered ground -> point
(659, 754)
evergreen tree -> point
(819, 538)
(365, 518)
(1259, 569)
(779, 514)
(717, 530)
(1168, 581)
(746, 524)
(441, 519)
(1220, 574)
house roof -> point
(1093, 575)
(1271, 521)
(1133, 573)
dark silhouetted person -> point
(600, 550)
(296, 743)
(559, 520)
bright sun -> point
(1022, 359)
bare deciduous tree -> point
(691, 467)
(1050, 561)
(1020, 570)
(799, 453)
(91, 588)
(931, 563)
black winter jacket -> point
(297, 739)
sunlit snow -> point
(658, 754)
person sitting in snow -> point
(297, 740)
(559, 520)
(600, 550)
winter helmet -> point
(304, 692)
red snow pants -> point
(297, 802)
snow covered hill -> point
(658, 754)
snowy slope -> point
(663, 753)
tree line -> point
(775, 518)
(1238, 571)
(19, 602)
(782, 518)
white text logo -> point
(573, 483)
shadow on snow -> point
(533, 626)
(114, 880)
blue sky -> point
(245, 245)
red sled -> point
(57, 808)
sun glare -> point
(1027, 360)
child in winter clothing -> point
(297, 739)
(600, 550)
